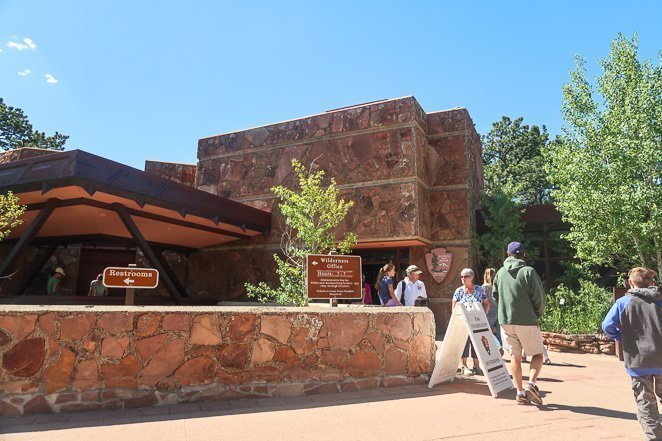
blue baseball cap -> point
(515, 248)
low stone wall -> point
(66, 358)
(592, 343)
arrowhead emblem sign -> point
(439, 263)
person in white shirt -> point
(413, 287)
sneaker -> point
(533, 393)
(547, 361)
(522, 399)
(478, 371)
(466, 371)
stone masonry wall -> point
(61, 359)
(23, 153)
(411, 176)
(181, 173)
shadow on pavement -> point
(206, 409)
(550, 380)
(590, 410)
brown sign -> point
(333, 277)
(130, 277)
(439, 262)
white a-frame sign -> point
(469, 319)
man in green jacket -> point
(521, 300)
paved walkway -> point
(587, 397)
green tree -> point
(503, 219)
(16, 131)
(10, 211)
(608, 168)
(513, 161)
(311, 214)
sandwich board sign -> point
(333, 277)
(468, 319)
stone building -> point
(415, 179)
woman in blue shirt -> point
(384, 285)
(470, 293)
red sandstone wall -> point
(411, 175)
(76, 358)
(181, 173)
(23, 153)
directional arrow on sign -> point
(128, 281)
(314, 262)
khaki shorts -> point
(518, 337)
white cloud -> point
(25, 73)
(30, 43)
(27, 44)
(50, 79)
(18, 46)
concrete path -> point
(587, 397)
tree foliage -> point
(513, 161)
(608, 168)
(311, 214)
(578, 311)
(10, 211)
(503, 219)
(16, 131)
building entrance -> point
(92, 263)
(373, 259)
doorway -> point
(94, 260)
(374, 259)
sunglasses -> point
(466, 277)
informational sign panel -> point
(468, 319)
(131, 277)
(333, 277)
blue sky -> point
(143, 80)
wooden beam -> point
(29, 234)
(168, 269)
(172, 286)
(36, 263)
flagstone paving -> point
(587, 397)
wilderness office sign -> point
(333, 277)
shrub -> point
(581, 312)
(311, 214)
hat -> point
(413, 269)
(59, 271)
(515, 248)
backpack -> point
(402, 290)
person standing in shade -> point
(53, 286)
(470, 293)
(367, 292)
(411, 287)
(520, 297)
(96, 287)
(636, 321)
(384, 285)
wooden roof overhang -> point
(78, 195)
